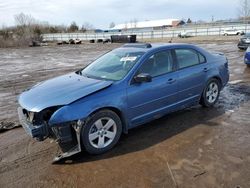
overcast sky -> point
(101, 12)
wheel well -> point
(220, 85)
(219, 79)
(119, 113)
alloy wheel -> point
(102, 132)
(212, 92)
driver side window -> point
(158, 64)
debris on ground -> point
(199, 174)
(5, 126)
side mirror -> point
(142, 77)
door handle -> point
(171, 80)
(205, 69)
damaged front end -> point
(44, 109)
(67, 135)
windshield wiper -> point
(81, 74)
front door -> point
(149, 100)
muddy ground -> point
(196, 147)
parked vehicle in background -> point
(232, 32)
(70, 41)
(123, 38)
(34, 43)
(244, 42)
(106, 40)
(127, 87)
(100, 40)
(184, 34)
(77, 41)
(247, 57)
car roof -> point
(146, 47)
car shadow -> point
(168, 126)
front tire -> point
(211, 93)
(101, 132)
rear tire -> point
(210, 93)
(101, 132)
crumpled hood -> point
(58, 91)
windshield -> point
(112, 66)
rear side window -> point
(186, 58)
(158, 64)
(201, 58)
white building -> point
(149, 24)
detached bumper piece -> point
(39, 132)
(75, 147)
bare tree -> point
(27, 29)
(111, 25)
(135, 22)
(87, 26)
(131, 24)
(244, 9)
(73, 27)
(24, 19)
(189, 21)
(125, 26)
(24, 23)
(5, 33)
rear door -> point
(192, 70)
(150, 100)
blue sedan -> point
(126, 87)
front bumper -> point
(39, 132)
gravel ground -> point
(196, 147)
